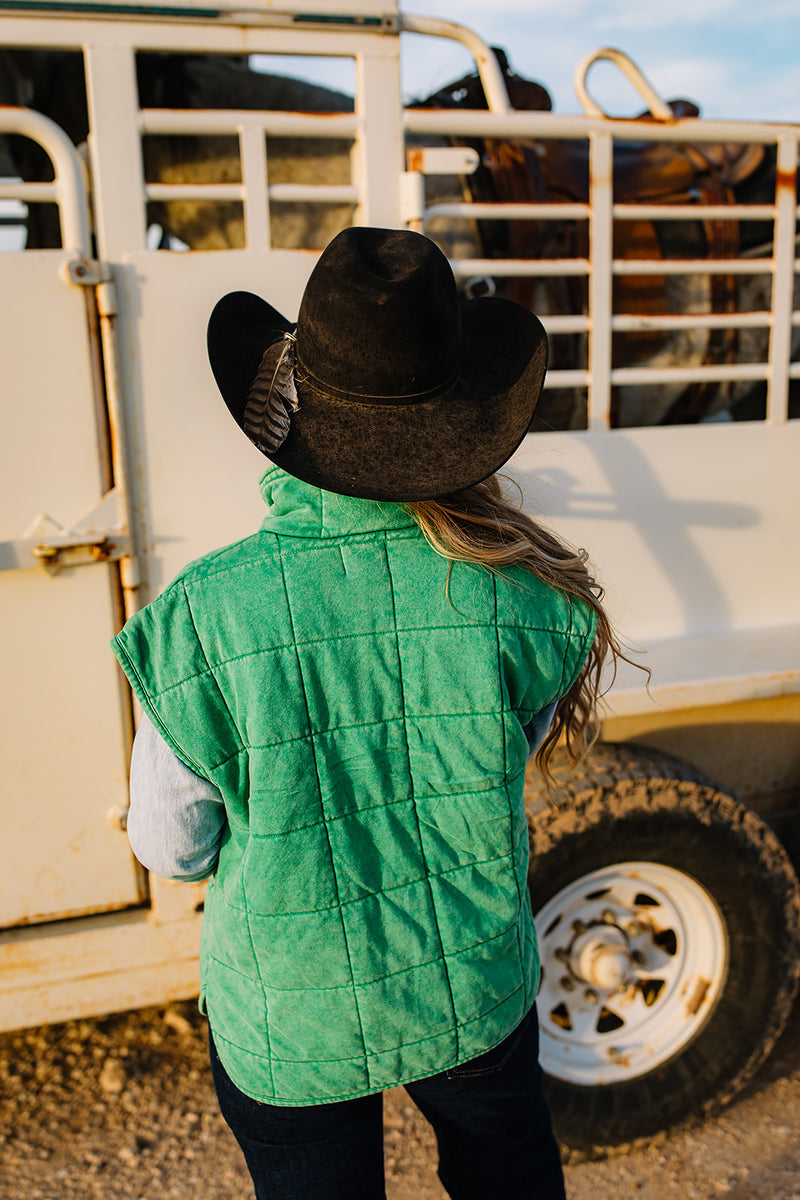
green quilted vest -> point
(368, 923)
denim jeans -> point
(490, 1117)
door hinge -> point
(88, 272)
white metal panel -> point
(200, 472)
(63, 745)
(692, 530)
(687, 523)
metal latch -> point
(432, 160)
(98, 536)
(443, 160)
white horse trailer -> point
(668, 911)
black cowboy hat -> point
(401, 392)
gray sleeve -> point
(176, 819)
(536, 729)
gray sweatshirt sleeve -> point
(176, 818)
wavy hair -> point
(480, 525)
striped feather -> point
(272, 397)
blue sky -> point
(735, 58)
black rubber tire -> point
(626, 803)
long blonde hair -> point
(480, 525)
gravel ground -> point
(124, 1107)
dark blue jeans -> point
(490, 1117)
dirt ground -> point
(124, 1108)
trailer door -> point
(64, 734)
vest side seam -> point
(502, 710)
(401, 683)
(322, 807)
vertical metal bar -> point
(378, 154)
(108, 313)
(783, 255)
(253, 147)
(96, 366)
(600, 279)
(115, 152)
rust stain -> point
(28, 920)
(698, 995)
(102, 551)
(415, 160)
(618, 1058)
(785, 179)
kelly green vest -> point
(368, 923)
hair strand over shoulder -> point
(480, 525)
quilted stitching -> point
(332, 860)
(368, 923)
(401, 685)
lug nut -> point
(590, 996)
(567, 984)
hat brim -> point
(396, 451)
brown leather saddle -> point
(645, 171)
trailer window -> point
(197, 184)
(51, 82)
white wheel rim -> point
(634, 958)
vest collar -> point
(298, 509)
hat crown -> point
(380, 318)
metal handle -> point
(494, 86)
(658, 108)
